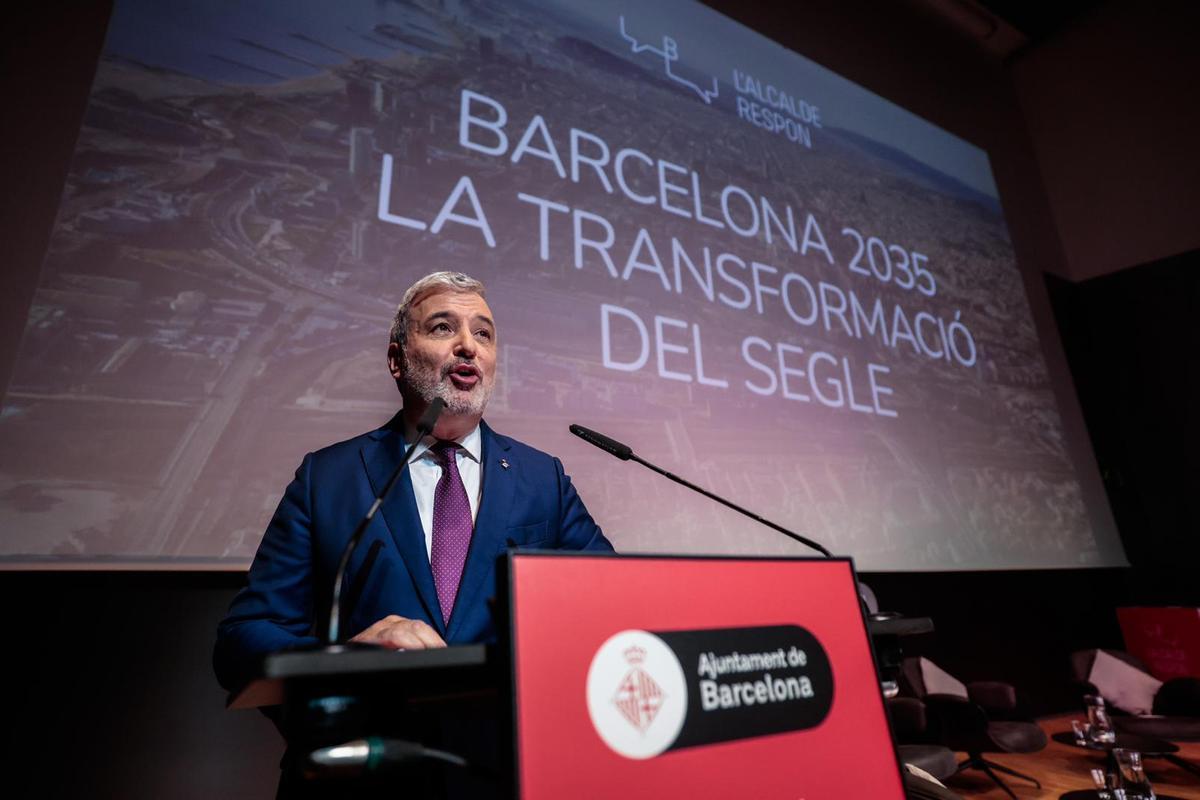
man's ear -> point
(395, 359)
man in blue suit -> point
(425, 570)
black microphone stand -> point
(424, 426)
(625, 453)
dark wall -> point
(1110, 105)
(48, 54)
(114, 696)
(1132, 339)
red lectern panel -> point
(657, 676)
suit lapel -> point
(491, 521)
(380, 456)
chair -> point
(910, 726)
(1131, 691)
(976, 718)
(918, 788)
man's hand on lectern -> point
(401, 633)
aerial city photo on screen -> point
(760, 275)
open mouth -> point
(464, 376)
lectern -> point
(624, 676)
(407, 706)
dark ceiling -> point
(1039, 19)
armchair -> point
(976, 718)
(1141, 704)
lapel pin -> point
(504, 463)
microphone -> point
(625, 453)
(373, 754)
(424, 426)
(610, 446)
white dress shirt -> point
(426, 472)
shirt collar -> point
(471, 444)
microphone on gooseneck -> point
(625, 453)
(424, 426)
(611, 446)
(376, 755)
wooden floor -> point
(1062, 768)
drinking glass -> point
(1100, 729)
(1133, 776)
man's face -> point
(451, 353)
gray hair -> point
(431, 283)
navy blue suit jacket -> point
(530, 503)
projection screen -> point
(756, 273)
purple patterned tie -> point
(452, 526)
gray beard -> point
(427, 384)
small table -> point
(1092, 794)
(1146, 745)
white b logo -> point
(636, 694)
